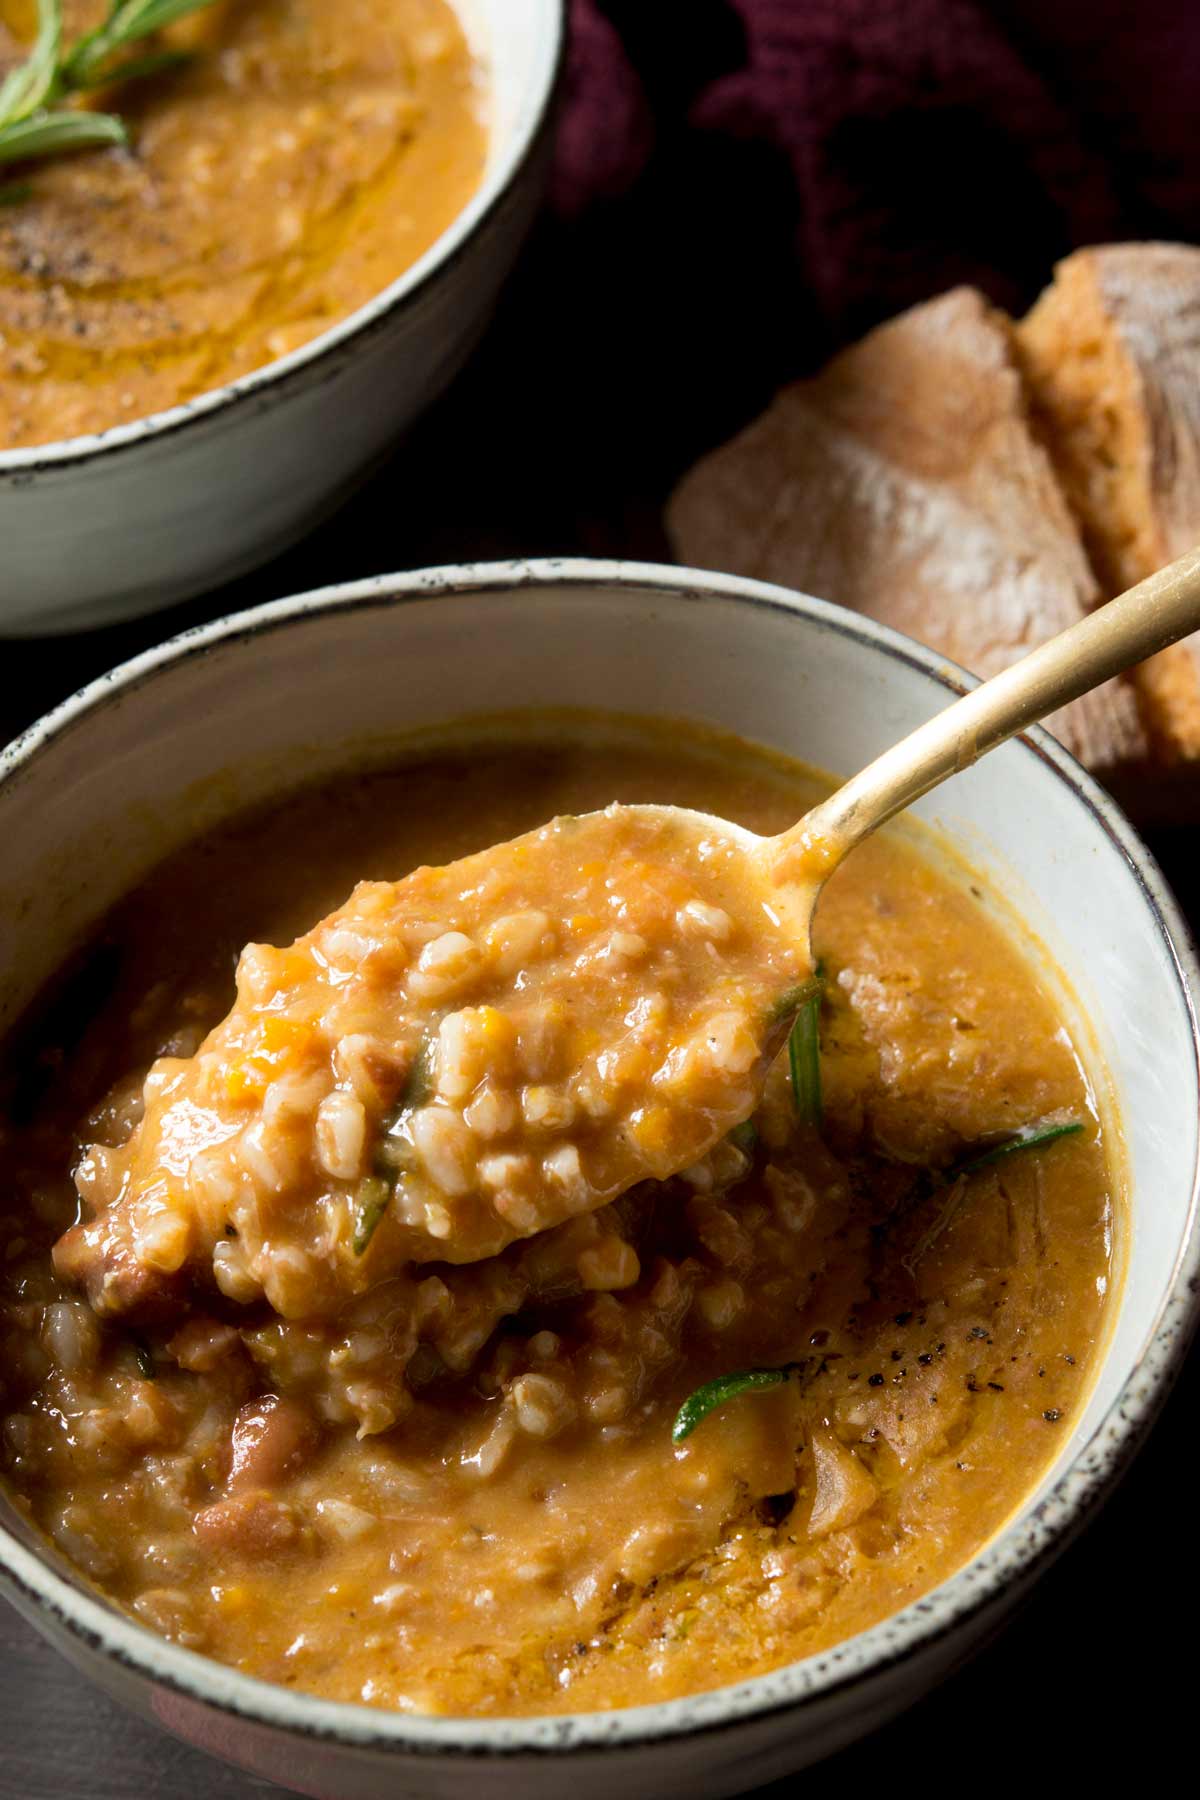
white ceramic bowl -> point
(101, 788)
(130, 519)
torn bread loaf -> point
(906, 482)
(1111, 353)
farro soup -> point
(310, 1289)
(305, 157)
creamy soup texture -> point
(309, 153)
(463, 1474)
(473, 1055)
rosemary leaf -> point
(31, 83)
(1027, 1137)
(804, 1059)
(138, 68)
(47, 133)
(716, 1393)
(156, 15)
(127, 21)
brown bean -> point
(271, 1439)
(95, 1256)
(252, 1524)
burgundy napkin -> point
(881, 150)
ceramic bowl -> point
(142, 759)
(130, 519)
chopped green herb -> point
(744, 1137)
(370, 1204)
(804, 1059)
(15, 193)
(145, 1362)
(706, 1399)
(1028, 1137)
(419, 1085)
(394, 1151)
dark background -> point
(740, 187)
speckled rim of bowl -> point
(1013, 1556)
(267, 384)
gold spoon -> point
(613, 1031)
(1147, 618)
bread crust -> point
(1111, 353)
(907, 482)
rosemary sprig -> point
(33, 124)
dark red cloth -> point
(741, 186)
(884, 149)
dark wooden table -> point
(519, 464)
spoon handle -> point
(1155, 613)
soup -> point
(506, 1485)
(310, 152)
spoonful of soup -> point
(479, 1053)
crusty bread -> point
(1111, 352)
(906, 482)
